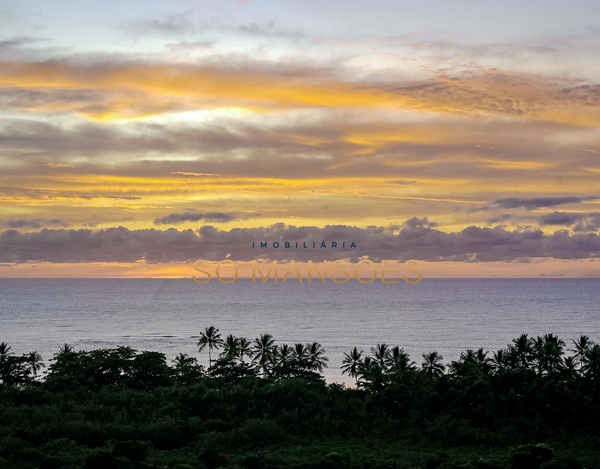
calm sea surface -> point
(166, 315)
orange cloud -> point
(137, 89)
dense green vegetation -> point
(535, 404)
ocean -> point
(166, 315)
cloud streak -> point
(34, 223)
(175, 218)
(533, 203)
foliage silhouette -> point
(126, 408)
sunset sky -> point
(138, 137)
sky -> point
(139, 137)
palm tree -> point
(394, 354)
(483, 362)
(316, 356)
(381, 352)
(210, 339)
(182, 362)
(264, 351)
(63, 349)
(432, 364)
(466, 366)
(591, 363)
(472, 364)
(499, 361)
(400, 365)
(186, 369)
(581, 346)
(522, 347)
(468, 356)
(300, 352)
(244, 348)
(365, 366)
(370, 373)
(284, 354)
(549, 350)
(481, 356)
(569, 367)
(231, 347)
(4, 352)
(35, 362)
(351, 362)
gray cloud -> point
(415, 240)
(269, 30)
(17, 42)
(171, 25)
(588, 224)
(24, 98)
(180, 25)
(415, 223)
(34, 223)
(499, 219)
(560, 218)
(531, 204)
(192, 215)
(402, 182)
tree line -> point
(241, 358)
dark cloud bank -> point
(415, 239)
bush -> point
(436, 460)
(252, 462)
(340, 460)
(530, 456)
(484, 464)
(10, 446)
(106, 460)
(165, 434)
(212, 459)
(450, 465)
(51, 463)
(258, 432)
(554, 464)
(132, 450)
(84, 433)
(572, 463)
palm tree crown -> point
(582, 345)
(316, 356)
(231, 347)
(264, 347)
(244, 348)
(351, 363)
(35, 362)
(210, 339)
(432, 364)
(381, 353)
(4, 351)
